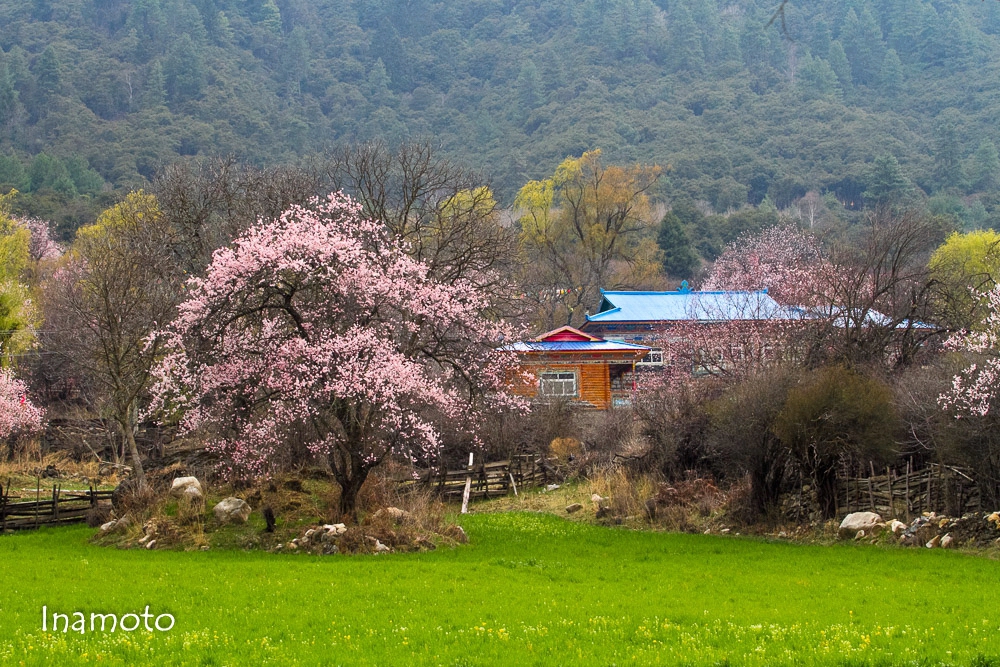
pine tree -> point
(891, 76)
(183, 71)
(886, 183)
(842, 68)
(48, 72)
(984, 172)
(679, 258)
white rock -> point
(947, 541)
(897, 527)
(381, 548)
(935, 542)
(551, 487)
(151, 544)
(187, 488)
(109, 526)
(310, 532)
(596, 499)
(335, 528)
(232, 510)
(860, 535)
(866, 521)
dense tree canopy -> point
(103, 94)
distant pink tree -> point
(42, 246)
(784, 260)
(975, 390)
(18, 415)
(317, 331)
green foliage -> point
(835, 412)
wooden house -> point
(568, 364)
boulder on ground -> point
(947, 542)
(575, 507)
(866, 521)
(897, 527)
(397, 515)
(232, 510)
(187, 488)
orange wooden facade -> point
(567, 364)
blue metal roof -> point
(688, 305)
(575, 346)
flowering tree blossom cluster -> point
(18, 415)
(974, 390)
(42, 246)
(784, 260)
(317, 331)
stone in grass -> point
(232, 510)
(187, 488)
(897, 527)
(575, 507)
(869, 522)
(397, 515)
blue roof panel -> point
(575, 346)
(686, 305)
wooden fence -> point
(55, 507)
(489, 480)
(908, 492)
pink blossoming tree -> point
(974, 391)
(317, 331)
(784, 260)
(18, 415)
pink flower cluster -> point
(18, 415)
(974, 391)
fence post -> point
(468, 487)
(909, 461)
(888, 479)
(38, 497)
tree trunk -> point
(350, 486)
(137, 470)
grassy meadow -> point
(529, 589)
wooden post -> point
(55, 503)
(888, 478)
(512, 483)
(871, 493)
(38, 497)
(468, 487)
(909, 461)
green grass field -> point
(529, 589)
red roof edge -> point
(566, 333)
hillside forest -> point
(96, 96)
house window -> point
(653, 358)
(558, 384)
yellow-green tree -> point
(17, 313)
(963, 267)
(587, 227)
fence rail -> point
(489, 480)
(56, 507)
(907, 492)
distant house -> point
(568, 364)
(690, 319)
